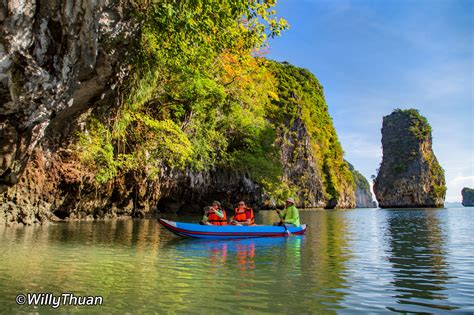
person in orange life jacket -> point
(243, 215)
(215, 215)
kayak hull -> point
(192, 230)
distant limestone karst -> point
(362, 193)
(410, 175)
(467, 197)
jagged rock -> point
(467, 197)
(362, 193)
(56, 61)
(410, 175)
(300, 166)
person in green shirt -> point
(290, 215)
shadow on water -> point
(122, 233)
(220, 252)
(418, 257)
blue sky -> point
(375, 56)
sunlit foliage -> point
(196, 95)
(200, 95)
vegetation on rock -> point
(300, 96)
(201, 96)
(195, 93)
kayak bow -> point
(228, 231)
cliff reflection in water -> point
(326, 259)
(418, 256)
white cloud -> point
(455, 186)
(358, 145)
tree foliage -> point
(199, 96)
(196, 95)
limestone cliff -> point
(66, 63)
(58, 60)
(362, 193)
(467, 197)
(311, 154)
(410, 175)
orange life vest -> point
(215, 220)
(240, 215)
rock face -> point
(362, 193)
(467, 197)
(300, 166)
(63, 61)
(410, 175)
(58, 61)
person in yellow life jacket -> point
(215, 215)
(243, 215)
(290, 215)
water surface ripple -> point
(419, 260)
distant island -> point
(467, 197)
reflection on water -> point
(362, 260)
(248, 274)
(417, 254)
(325, 263)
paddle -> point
(286, 229)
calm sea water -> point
(354, 260)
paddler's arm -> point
(282, 213)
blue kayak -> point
(229, 231)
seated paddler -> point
(243, 215)
(215, 215)
(290, 215)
